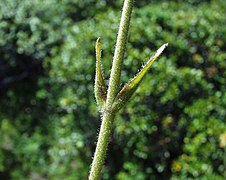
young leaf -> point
(99, 86)
(127, 91)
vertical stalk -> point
(119, 52)
(108, 115)
(101, 148)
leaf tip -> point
(98, 40)
(161, 49)
(98, 44)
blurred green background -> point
(173, 128)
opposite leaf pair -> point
(127, 91)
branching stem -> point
(115, 99)
(108, 116)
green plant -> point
(111, 101)
(171, 129)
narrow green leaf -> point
(127, 91)
(99, 86)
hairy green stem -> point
(101, 148)
(107, 114)
(119, 52)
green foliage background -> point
(173, 128)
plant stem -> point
(108, 115)
(101, 148)
(119, 52)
